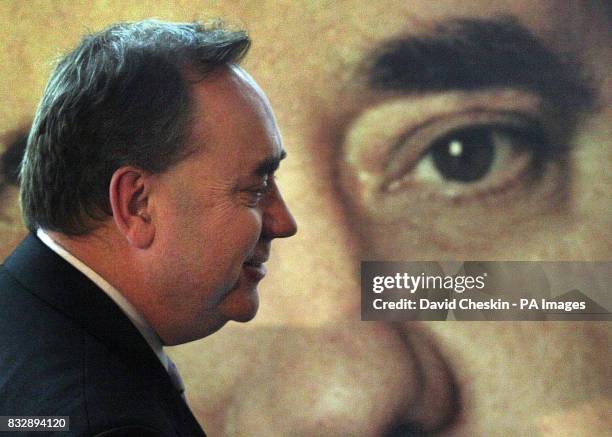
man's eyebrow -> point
(471, 54)
(269, 165)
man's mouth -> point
(255, 269)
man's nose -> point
(277, 220)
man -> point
(148, 186)
(307, 365)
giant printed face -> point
(445, 130)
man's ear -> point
(129, 199)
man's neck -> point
(100, 250)
(68, 248)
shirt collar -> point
(128, 309)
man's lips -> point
(255, 268)
(257, 259)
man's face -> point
(217, 211)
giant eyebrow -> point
(10, 160)
(269, 165)
(471, 54)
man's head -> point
(207, 222)
(122, 97)
(152, 159)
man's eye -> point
(258, 192)
(255, 194)
(472, 159)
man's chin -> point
(244, 317)
(241, 305)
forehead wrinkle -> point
(472, 54)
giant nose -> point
(352, 379)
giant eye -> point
(465, 156)
(481, 157)
(447, 171)
(471, 154)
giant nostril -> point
(437, 404)
(406, 430)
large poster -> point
(444, 131)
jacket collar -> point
(53, 280)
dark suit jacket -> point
(66, 349)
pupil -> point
(464, 156)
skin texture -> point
(306, 365)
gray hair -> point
(122, 97)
